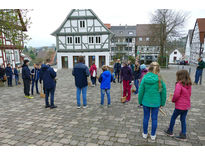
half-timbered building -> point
(10, 53)
(82, 33)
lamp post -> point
(166, 59)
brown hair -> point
(183, 77)
(104, 68)
(155, 68)
(81, 59)
(137, 66)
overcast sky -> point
(47, 16)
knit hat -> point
(143, 66)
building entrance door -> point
(101, 61)
(64, 60)
(91, 60)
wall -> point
(172, 55)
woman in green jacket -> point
(152, 95)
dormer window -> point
(130, 33)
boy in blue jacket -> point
(35, 78)
(105, 79)
(9, 74)
(16, 73)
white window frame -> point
(97, 41)
(147, 38)
(68, 40)
(83, 23)
(140, 38)
(78, 39)
(91, 37)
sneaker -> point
(109, 105)
(26, 96)
(144, 135)
(153, 137)
(85, 107)
(168, 133)
(181, 137)
(52, 107)
(47, 106)
(78, 107)
(30, 97)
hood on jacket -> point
(143, 66)
(151, 78)
(106, 73)
(185, 86)
(44, 67)
(24, 65)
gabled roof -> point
(201, 26)
(144, 30)
(69, 15)
(189, 35)
(124, 30)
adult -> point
(126, 77)
(9, 74)
(117, 69)
(81, 72)
(152, 95)
(93, 74)
(48, 76)
(35, 78)
(26, 76)
(199, 70)
(2, 73)
(137, 75)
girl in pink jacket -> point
(181, 98)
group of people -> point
(150, 87)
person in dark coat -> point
(2, 73)
(16, 73)
(26, 76)
(81, 72)
(199, 70)
(48, 76)
(126, 77)
(117, 69)
(35, 78)
(9, 74)
(137, 75)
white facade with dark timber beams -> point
(82, 34)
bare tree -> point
(171, 24)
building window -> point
(175, 52)
(140, 38)
(98, 39)
(82, 24)
(147, 48)
(121, 32)
(77, 40)
(91, 39)
(147, 38)
(130, 49)
(69, 40)
(141, 48)
(130, 33)
(129, 40)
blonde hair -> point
(155, 68)
(104, 68)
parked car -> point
(177, 62)
(183, 62)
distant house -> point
(147, 45)
(10, 53)
(82, 33)
(197, 40)
(123, 40)
(174, 56)
(188, 45)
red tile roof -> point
(108, 25)
(201, 25)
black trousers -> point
(26, 83)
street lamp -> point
(166, 59)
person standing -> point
(126, 77)
(117, 69)
(143, 71)
(93, 74)
(199, 70)
(152, 95)
(105, 79)
(80, 73)
(131, 65)
(16, 73)
(9, 74)
(137, 75)
(48, 76)
(2, 73)
(35, 78)
(26, 76)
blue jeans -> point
(93, 80)
(50, 91)
(84, 93)
(197, 75)
(117, 75)
(182, 114)
(36, 84)
(103, 91)
(136, 82)
(154, 116)
(16, 79)
(9, 80)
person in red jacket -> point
(181, 98)
(93, 74)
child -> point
(143, 71)
(137, 75)
(16, 73)
(126, 77)
(181, 98)
(93, 74)
(105, 79)
(35, 78)
(9, 74)
(152, 95)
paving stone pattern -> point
(26, 122)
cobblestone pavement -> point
(26, 122)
